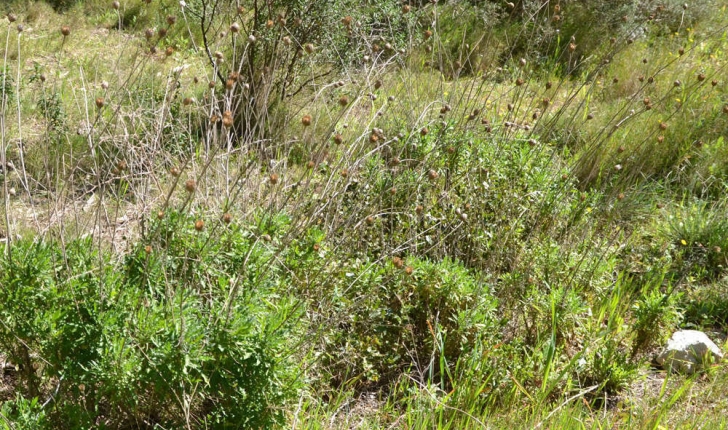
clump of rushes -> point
(306, 120)
(199, 225)
(190, 185)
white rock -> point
(686, 350)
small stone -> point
(686, 351)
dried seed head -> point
(306, 120)
(148, 249)
(641, 78)
(714, 82)
(344, 173)
(701, 77)
(20, 28)
(677, 83)
(620, 149)
(432, 174)
(651, 79)
(199, 225)
(190, 185)
(160, 214)
(269, 24)
(618, 167)
(397, 262)
(509, 106)
(660, 139)
(519, 82)
(273, 178)
(234, 28)
(310, 164)
(171, 19)
(174, 171)
(162, 32)
(241, 10)
(615, 80)
(12, 17)
(338, 139)
(99, 102)
(187, 101)
(572, 47)
(347, 20)
(428, 34)
(725, 109)
(394, 162)
(369, 220)
(377, 84)
(227, 218)
(419, 209)
(227, 119)
(286, 40)
(104, 84)
(149, 33)
(66, 31)
(229, 84)
(681, 51)
(406, 8)
(620, 196)
(393, 190)
(663, 126)
(424, 131)
(549, 85)
(251, 38)
(408, 270)
(343, 100)
(309, 48)
(545, 102)
(169, 51)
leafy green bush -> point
(182, 332)
(392, 316)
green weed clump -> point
(165, 336)
(343, 214)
